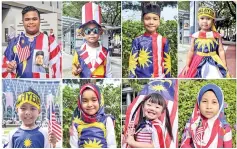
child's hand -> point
(52, 139)
(76, 69)
(185, 71)
(11, 66)
(130, 133)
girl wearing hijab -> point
(92, 128)
(207, 127)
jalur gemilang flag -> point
(53, 125)
(168, 90)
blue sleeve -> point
(167, 60)
(9, 52)
(133, 59)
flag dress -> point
(206, 62)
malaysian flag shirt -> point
(22, 138)
(36, 58)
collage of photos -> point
(118, 74)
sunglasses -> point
(88, 31)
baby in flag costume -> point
(207, 127)
(91, 60)
(91, 127)
(150, 55)
(206, 57)
(29, 135)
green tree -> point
(111, 11)
(184, 5)
(133, 29)
(138, 5)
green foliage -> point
(138, 4)
(111, 11)
(69, 104)
(188, 90)
(133, 29)
(112, 98)
(112, 102)
(184, 5)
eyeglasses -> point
(88, 31)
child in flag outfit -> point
(207, 127)
(149, 123)
(19, 56)
(206, 57)
(29, 135)
(150, 55)
(91, 127)
(91, 60)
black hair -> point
(150, 8)
(45, 33)
(29, 8)
(156, 99)
(39, 53)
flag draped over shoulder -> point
(55, 58)
(167, 89)
(22, 51)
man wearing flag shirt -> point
(18, 59)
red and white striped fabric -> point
(5, 73)
(199, 134)
(170, 95)
(55, 58)
(99, 60)
(55, 127)
(205, 35)
(91, 11)
(144, 135)
(23, 53)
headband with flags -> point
(168, 90)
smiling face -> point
(151, 22)
(31, 22)
(205, 23)
(28, 114)
(209, 105)
(151, 110)
(89, 102)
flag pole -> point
(51, 106)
